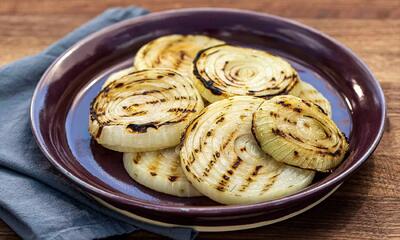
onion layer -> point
(160, 171)
(173, 51)
(307, 92)
(223, 71)
(297, 132)
(144, 111)
(221, 158)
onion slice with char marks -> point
(173, 51)
(299, 133)
(160, 171)
(221, 158)
(223, 71)
(307, 92)
(144, 111)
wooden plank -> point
(289, 8)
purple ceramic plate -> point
(60, 109)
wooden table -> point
(365, 207)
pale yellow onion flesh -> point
(117, 75)
(160, 171)
(297, 132)
(173, 51)
(307, 92)
(144, 111)
(223, 71)
(222, 160)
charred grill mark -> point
(141, 128)
(182, 110)
(153, 174)
(209, 133)
(172, 178)
(99, 131)
(230, 172)
(118, 85)
(306, 103)
(217, 154)
(321, 109)
(256, 170)
(209, 84)
(284, 104)
(278, 132)
(273, 114)
(237, 163)
(171, 74)
(220, 188)
(296, 153)
(137, 159)
(269, 184)
(295, 137)
(289, 121)
(226, 178)
(181, 98)
(220, 120)
(299, 110)
(229, 139)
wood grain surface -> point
(368, 205)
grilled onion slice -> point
(297, 132)
(306, 91)
(223, 71)
(144, 111)
(222, 160)
(173, 51)
(118, 75)
(160, 171)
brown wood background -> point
(365, 207)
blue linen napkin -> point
(36, 201)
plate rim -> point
(204, 210)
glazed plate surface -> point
(60, 110)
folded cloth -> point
(36, 201)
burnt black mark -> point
(243, 149)
(220, 188)
(209, 84)
(237, 163)
(118, 85)
(256, 170)
(284, 104)
(182, 110)
(306, 103)
(99, 131)
(187, 168)
(226, 178)
(217, 154)
(153, 174)
(321, 109)
(278, 132)
(209, 133)
(295, 137)
(299, 110)
(172, 178)
(296, 153)
(171, 74)
(220, 120)
(230, 172)
(142, 128)
(274, 114)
